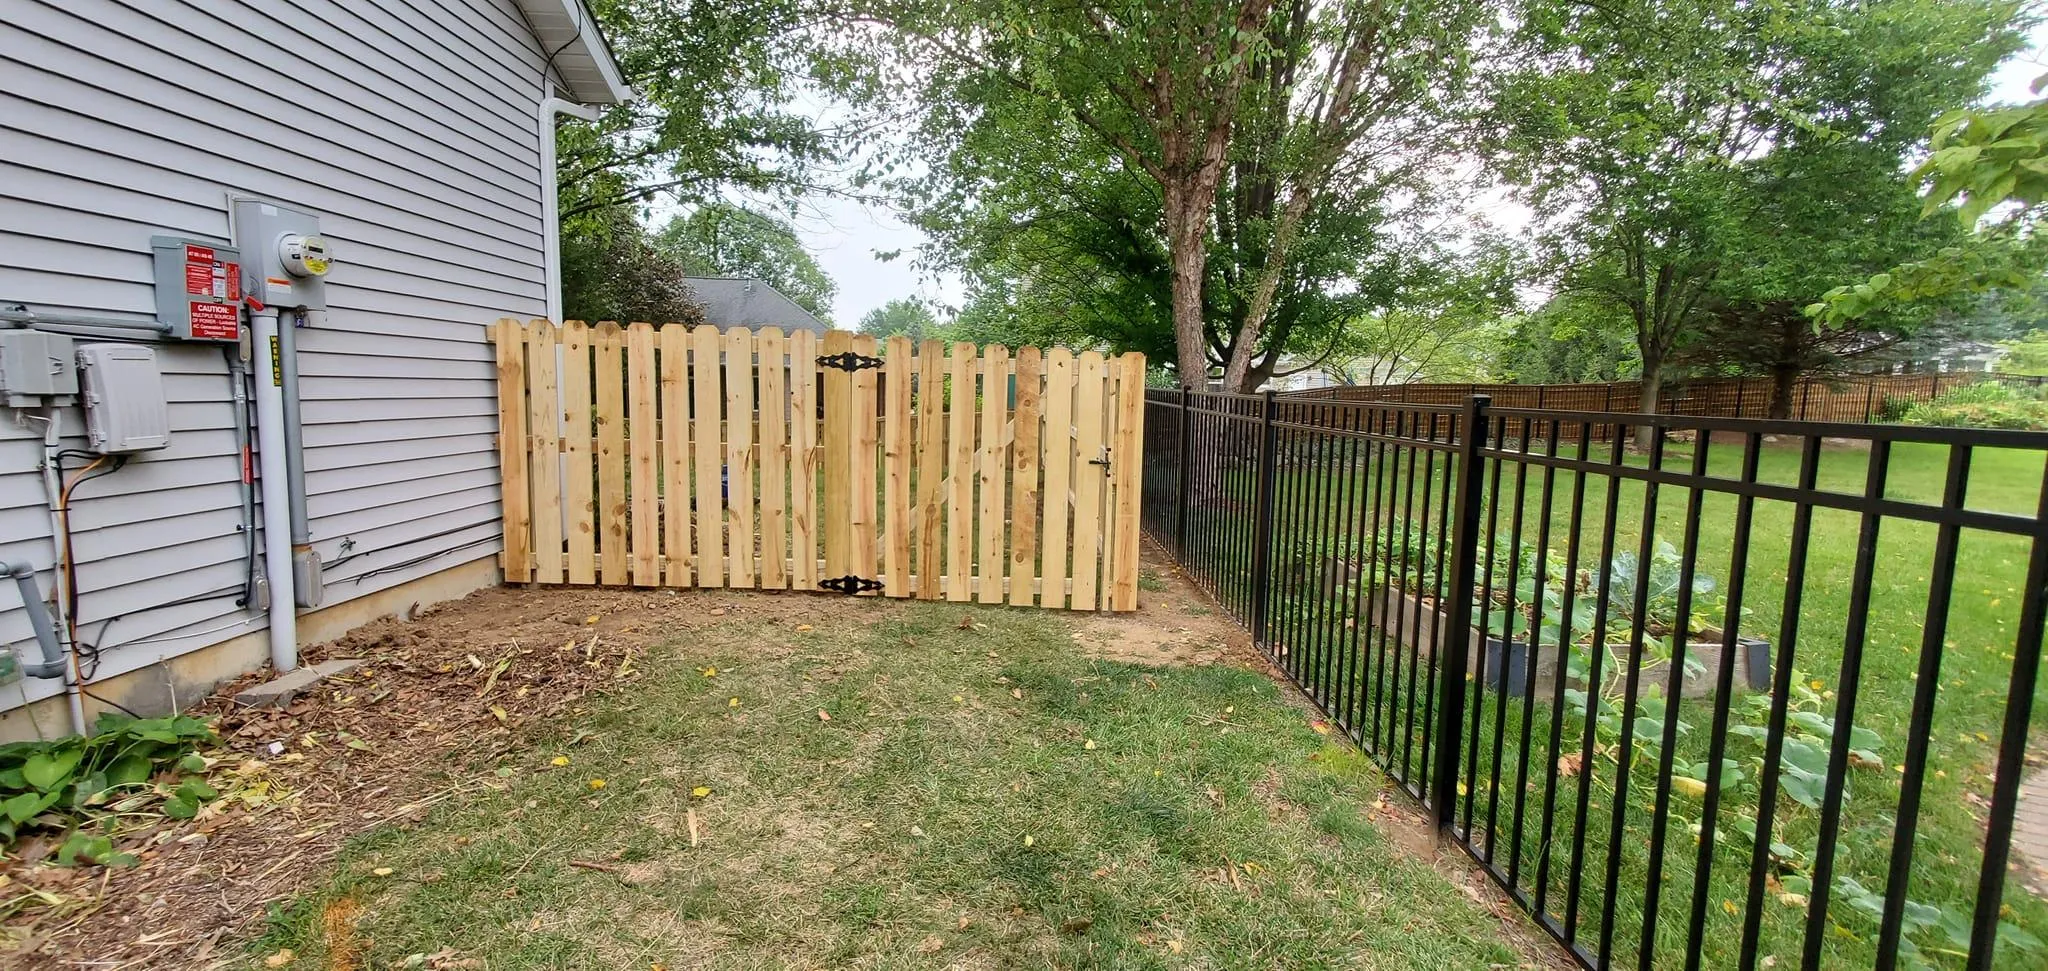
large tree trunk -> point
(1792, 331)
(1652, 397)
(1784, 380)
(1187, 248)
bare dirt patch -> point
(1175, 624)
(441, 694)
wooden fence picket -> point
(513, 448)
(1058, 449)
(544, 453)
(773, 375)
(896, 456)
(1090, 464)
(675, 456)
(643, 485)
(652, 455)
(836, 446)
(579, 476)
(1128, 471)
(861, 499)
(992, 462)
(707, 448)
(931, 470)
(1024, 495)
(803, 464)
(739, 456)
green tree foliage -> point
(717, 108)
(717, 111)
(906, 318)
(1445, 325)
(1174, 131)
(611, 270)
(1702, 163)
(1979, 159)
(1571, 339)
(723, 239)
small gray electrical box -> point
(124, 399)
(198, 288)
(35, 366)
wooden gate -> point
(694, 457)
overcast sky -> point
(845, 235)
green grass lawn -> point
(905, 789)
(1979, 646)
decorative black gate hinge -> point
(849, 361)
(850, 585)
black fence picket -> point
(1632, 663)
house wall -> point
(408, 125)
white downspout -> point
(550, 201)
(273, 477)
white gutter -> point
(550, 201)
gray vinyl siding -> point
(408, 125)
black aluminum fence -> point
(1755, 694)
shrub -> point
(1984, 404)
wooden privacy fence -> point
(1842, 398)
(694, 457)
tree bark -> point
(1187, 246)
(1652, 396)
(1238, 370)
(1784, 381)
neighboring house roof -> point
(579, 54)
(753, 304)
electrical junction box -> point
(124, 399)
(35, 367)
(198, 288)
(286, 257)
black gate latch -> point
(850, 585)
(849, 362)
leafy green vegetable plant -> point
(124, 766)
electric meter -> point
(287, 257)
(304, 255)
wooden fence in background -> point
(1839, 398)
(694, 457)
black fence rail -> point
(1743, 696)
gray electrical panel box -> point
(198, 288)
(287, 258)
(36, 366)
(124, 399)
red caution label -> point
(199, 254)
(215, 321)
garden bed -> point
(1413, 622)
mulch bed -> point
(441, 697)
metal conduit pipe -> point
(275, 483)
(52, 665)
(28, 318)
(238, 393)
(305, 563)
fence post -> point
(1180, 525)
(1452, 637)
(1262, 528)
(1869, 399)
